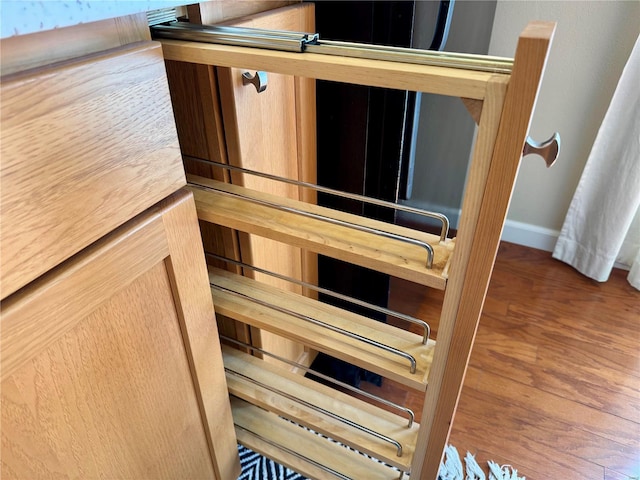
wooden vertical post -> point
(479, 237)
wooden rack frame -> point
(502, 105)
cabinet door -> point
(111, 365)
(273, 132)
(222, 120)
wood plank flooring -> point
(553, 386)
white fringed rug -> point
(257, 467)
(451, 468)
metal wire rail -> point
(295, 454)
(320, 323)
(425, 326)
(444, 231)
(311, 43)
(327, 378)
(323, 411)
(307, 459)
(334, 221)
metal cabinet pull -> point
(259, 80)
(548, 149)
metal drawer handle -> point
(259, 80)
(548, 149)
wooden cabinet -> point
(86, 145)
(109, 361)
(111, 365)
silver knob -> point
(259, 80)
(548, 149)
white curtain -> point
(602, 225)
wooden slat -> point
(463, 303)
(369, 250)
(303, 442)
(314, 393)
(188, 276)
(351, 350)
(84, 147)
(307, 152)
(375, 73)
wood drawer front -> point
(86, 145)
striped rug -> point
(257, 467)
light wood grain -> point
(304, 443)
(191, 119)
(25, 52)
(352, 350)
(307, 164)
(258, 130)
(109, 363)
(503, 121)
(85, 147)
(218, 11)
(307, 151)
(472, 200)
(47, 309)
(88, 405)
(189, 281)
(460, 315)
(263, 133)
(375, 73)
(196, 106)
(391, 256)
(314, 393)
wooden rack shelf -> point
(284, 385)
(301, 449)
(502, 105)
(394, 257)
(245, 309)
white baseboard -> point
(453, 214)
(515, 232)
(536, 237)
(529, 235)
(520, 233)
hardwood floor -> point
(553, 385)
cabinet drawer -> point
(86, 145)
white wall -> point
(444, 130)
(592, 43)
